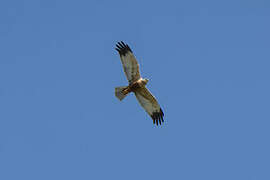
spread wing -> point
(129, 62)
(150, 104)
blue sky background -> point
(208, 64)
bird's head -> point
(145, 81)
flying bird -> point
(137, 84)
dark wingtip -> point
(122, 48)
(158, 117)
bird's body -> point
(137, 84)
(133, 87)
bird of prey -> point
(137, 84)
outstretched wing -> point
(129, 62)
(150, 104)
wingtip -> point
(122, 48)
(158, 117)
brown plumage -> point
(137, 84)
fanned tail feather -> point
(119, 92)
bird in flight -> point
(137, 84)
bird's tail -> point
(119, 92)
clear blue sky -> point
(208, 64)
